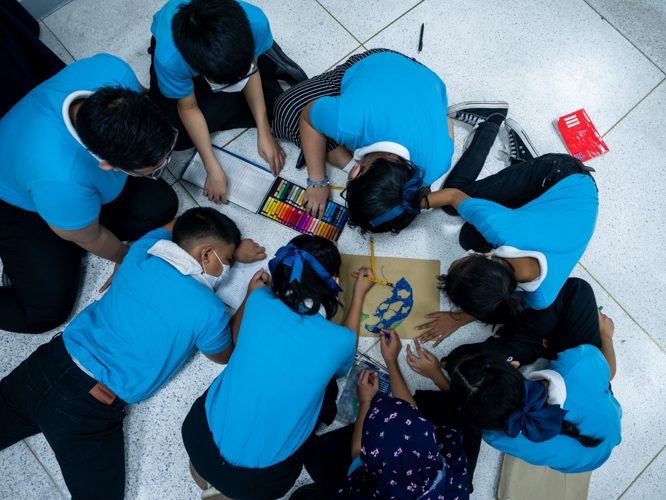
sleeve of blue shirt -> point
(344, 369)
(324, 118)
(64, 205)
(174, 77)
(592, 359)
(261, 29)
(217, 336)
(354, 465)
(479, 213)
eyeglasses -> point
(221, 87)
(157, 173)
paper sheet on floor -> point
(233, 289)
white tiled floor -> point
(546, 59)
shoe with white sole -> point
(475, 112)
(520, 146)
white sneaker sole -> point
(452, 110)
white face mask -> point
(236, 87)
(214, 281)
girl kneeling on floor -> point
(246, 435)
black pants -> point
(512, 187)
(25, 60)
(45, 270)
(48, 393)
(571, 320)
(222, 110)
(241, 483)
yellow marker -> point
(355, 275)
(339, 188)
(372, 255)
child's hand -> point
(315, 199)
(249, 251)
(362, 286)
(442, 325)
(259, 280)
(425, 363)
(367, 386)
(390, 345)
(215, 188)
(606, 325)
(270, 150)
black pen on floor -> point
(421, 38)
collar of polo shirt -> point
(79, 94)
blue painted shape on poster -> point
(394, 309)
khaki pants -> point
(522, 481)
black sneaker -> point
(5, 281)
(475, 112)
(287, 69)
(520, 146)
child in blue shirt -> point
(245, 436)
(391, 451)
(380, 116)
(564, 417)
(81, 157)
(527, 227)
(123, 348)
(215, 67)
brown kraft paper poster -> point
(403, 307)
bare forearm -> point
(197, 128)
(399, 387)
(608, 351)
(353, 318)
(236, 320)
(443, 197)
(363, 408)
(313, 143)
(97, 240)
(254, 95)
(441, 382)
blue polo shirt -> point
(44, 168)
(591, 407)
(147, 324)
(174, 75)
(388, 97)
(559, 224)
(265, 404)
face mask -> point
(236, 87)
(214, 281)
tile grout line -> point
(641, 472)
(51, 13)
(604, 18)
(392, 22)
(58, 39)
(622, 307)
(344, 58)
(336, 20)
(188, 193)
(627, 113)
(45, 469)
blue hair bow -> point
(538, 423)
(408, 190)
(294, 257)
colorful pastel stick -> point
(271, 208)
(300, 198)
(277, 190)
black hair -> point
(214, 38)
(124, 128)
(311, 286)
(199, 225)
(484, 288)
(489, 389)
(379, 189)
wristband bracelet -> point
(318, 184)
